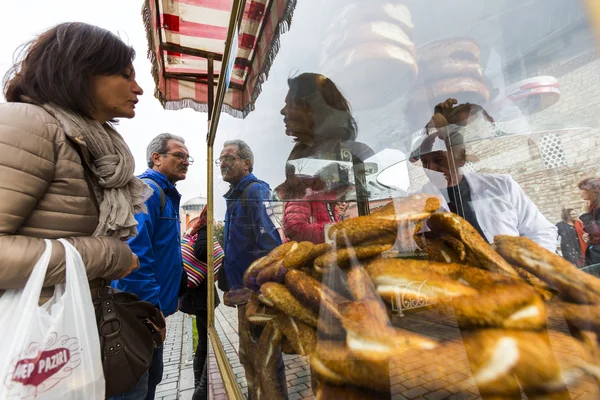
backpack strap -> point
(244, 195)
(163, 197)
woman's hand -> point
(586, 238)
(135, 264)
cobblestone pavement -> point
(296, 368)
(178, 378)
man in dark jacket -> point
(158, 243)
(249, 232)
(248, 235)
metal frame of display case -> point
(229, 381)
(232, 388)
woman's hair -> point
(203, 218)
(566, 214)
(60, 64)
(329, 107)
(592, 185)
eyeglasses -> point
(226, 160)
(181, 157)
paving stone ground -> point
(178, 378)
(296, 368)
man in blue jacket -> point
(248, 235)
(249, 232)
(157, 244)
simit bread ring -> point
(412, 280)
(344, 257)
(511, 307)
(353, 231)
(585, 317)
(572, 283)
(278, 296)
(313, 294)
(541, 287)
(299, 256)
(252, 272)
(360, 284)
(497, 356)
(369, 332)
(272, 273)
(333, 362)
(237, 297)
(454, 225)
(455, 48)
(257, 313)
(301, 337)
(268, 354)
(435, 248)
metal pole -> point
(210, 231)
(229, 379)
(211, 86)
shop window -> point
(551, 151)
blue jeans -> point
(145, 389)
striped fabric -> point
(194, 268)
(202, 25)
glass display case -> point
(411, 208)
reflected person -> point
(319, 118)
(493, 204)
(570, 231)
(590, 192)
(249, 234)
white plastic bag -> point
(51, 351)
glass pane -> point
(461, 133)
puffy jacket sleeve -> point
(26, 171)
(298, 226)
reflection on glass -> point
(492, 204)
(409, 286)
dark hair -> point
(454, 115)
(566, 214)
(59, 66)
(591, 185)
(303, 89)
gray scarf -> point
(119, 193)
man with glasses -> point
(157, 243)
(248, 235)
(249, 232)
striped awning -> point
(184, 34)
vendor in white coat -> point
(493, 204)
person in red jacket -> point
(305, 220)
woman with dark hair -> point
(590, 192)
(194, 250)
(568, 230)
(65, 171)
(319, 118)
